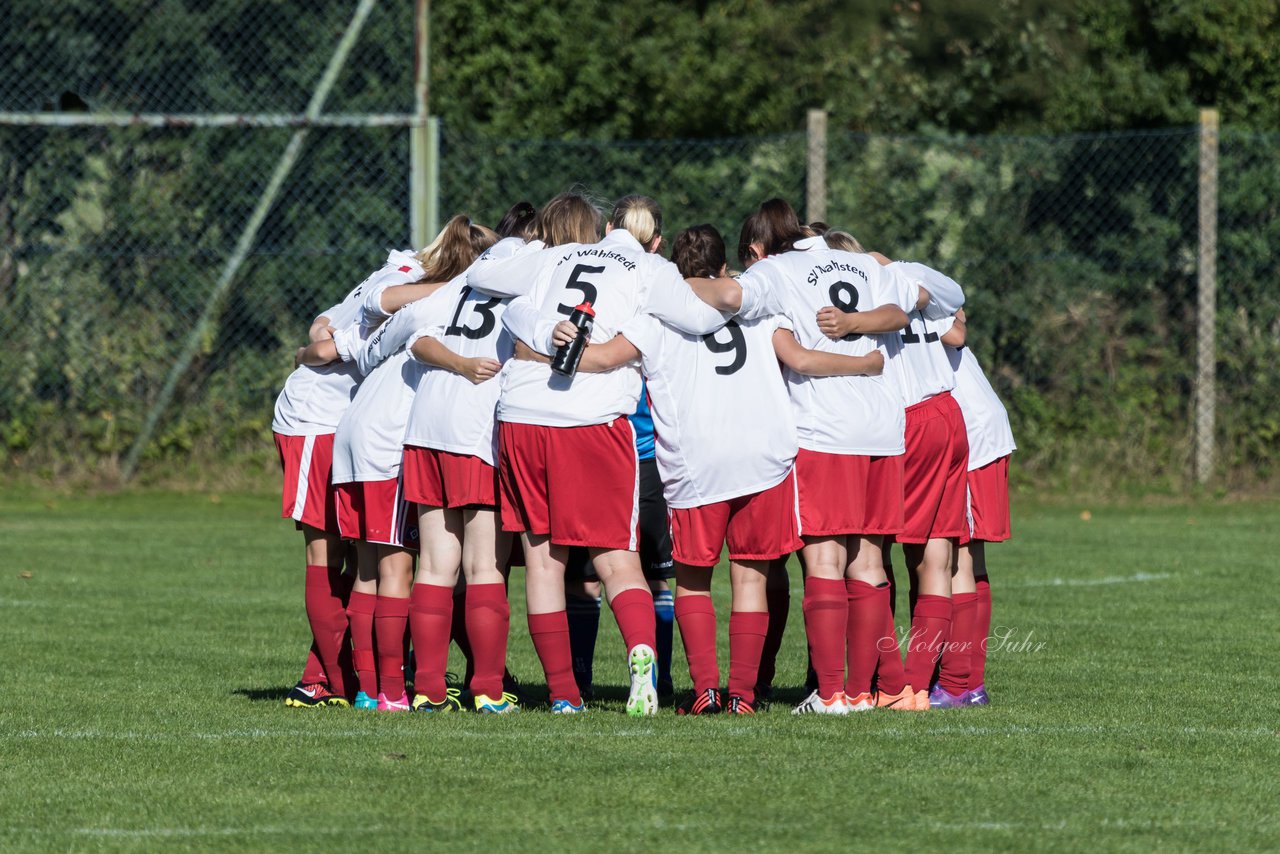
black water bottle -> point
(568, 355)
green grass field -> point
(147, 652)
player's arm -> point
(596, 358)
(321, 328)
(956, 335)
(431, 351)
(815, 363)
(836, 323)
(397, 297)
(721, 293)
(317, 353)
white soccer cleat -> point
(643, 699)
(815, 705)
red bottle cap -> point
(586, 309)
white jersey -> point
(369, 443)
(314, 399)
(722, 422)
(916, 363)
(834, 415)
(450, 413)
(985, 418)
(620, 280)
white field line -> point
(180, 832)
(1136, 578)
(493, 733)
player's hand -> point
(297, 356)
(526, 353)
(563, 333)
(479, 369)
(836, 324)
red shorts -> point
(934, 471)
(848, 494)
(309, 496)
(443, 479)
(760, 526)
(581, 485)
(376, 511)
(989, 502)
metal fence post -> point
(816, 167)
(421, 159)
(1206, 286)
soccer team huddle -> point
(548, 397)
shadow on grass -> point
(263, 695)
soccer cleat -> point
(365, 703)
(815, 705)
(739, 706)
(941, 698)
(313, 696)
(401, 704)
(666, 688)
(977, 696)
(708, 702)
(505, 705)
(903, 701)
(864, 702)
(643, 698)
(452, 702)
(564, 707)
(764, 695)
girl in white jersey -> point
(367, 459)
(567, 459)
(702, 387)
(933, 475)
(851, 443)
(961, 677)
(449, 455)
(306, 415)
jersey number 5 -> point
(488, 320)
(737, 345)
(589, 292)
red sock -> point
(390, 621)
(430, 616)
(891, 678)
(826, 617)
(551, 641)
(488, 618)
(930, 630)
(458, 633)
(981, 631)
(779, 608)
(633, 611)
(867, 610)
(953, 673)
(328, 619)
(697, 618)
(747, 631)
(360, 610)
(313, 670)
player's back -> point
(723, 422)
(610, 275)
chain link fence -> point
(1079, 253)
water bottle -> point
(568, 355)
